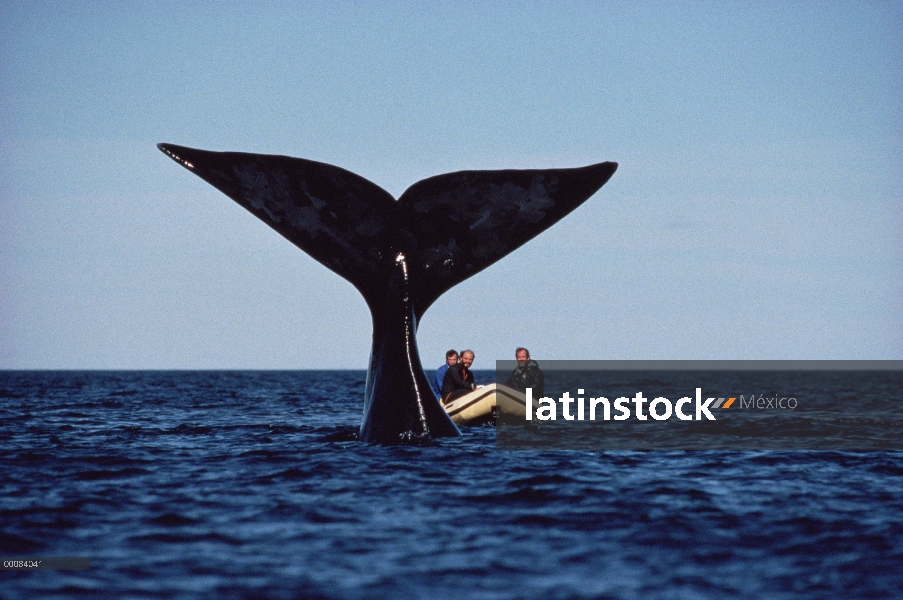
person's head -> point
(522, 355)
(451, 357)
(467, 358)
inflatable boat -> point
(481, 405)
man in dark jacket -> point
(526, 375)
(458, 379)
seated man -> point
(451, 358)
(526, 375)
(458, 379)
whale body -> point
(401, 255)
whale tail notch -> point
(401, 255)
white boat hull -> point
(479, 405)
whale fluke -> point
(401, 255)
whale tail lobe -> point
(401, 255)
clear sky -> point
(757, 211)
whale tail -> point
(401, 255)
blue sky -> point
(756, 212)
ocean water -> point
(252, 485)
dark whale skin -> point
(401, 255)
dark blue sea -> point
(252, 485)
